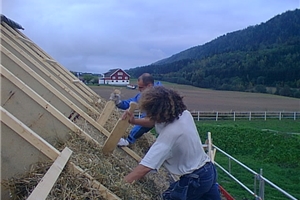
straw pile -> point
(108, 170)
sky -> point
(95, 36)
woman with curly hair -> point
(178, 147)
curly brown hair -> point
(162, 105)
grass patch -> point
(276, 152)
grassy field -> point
(276, 152)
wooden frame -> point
(77, 97)
(43, 146)
(62, 72)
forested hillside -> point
(253, 59)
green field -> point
(276, 152)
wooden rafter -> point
(47, 149)
(63, 71)
(32, 56)
(79, 96)
(45, 185)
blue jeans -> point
(136, 132)
(198, 185)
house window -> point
(120, 73)
(113, 77)
(120, 77)
(126, 77)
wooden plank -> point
(109, 107)
(33, 52)
(23, 39)
(47, 149)
(45, 185)
(209, 152)
(63, 88)
(63, 98)
(117, 132)
(59, 115)
(106, 112)
(42, 102)
(63, 71)
(29, 135)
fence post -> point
(294, 115)
(250, 116)
(261, 186)
(279, 115)
(233, 116)
(265, 115)
(229, 165)
(217, 114)
(198, 115)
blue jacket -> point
(125, 103)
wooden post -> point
(265, 115)
(117, 132)
(209, 145)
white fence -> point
(257, 178)
(242, 115)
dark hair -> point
(162, 104)
(147, 79)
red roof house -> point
(115, 77)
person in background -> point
(178, 146)
(144, 81)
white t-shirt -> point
(178, 146)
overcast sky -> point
(95, 36)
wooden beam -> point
(29, 135)
(47, 67)
(106, 112)
(117, 132)
(50, 60)
(42, 102)
(45, 185)
(109, 107)
(65, 72)
(48, 149)
(59, 115)
(23, 39)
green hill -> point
(253, 59)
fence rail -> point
(249, 115)
(257, 177)
(242, 115)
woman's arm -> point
(145, 122)
(137, 173)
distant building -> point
(115, 77)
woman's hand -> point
(129, 116)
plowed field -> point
(211, 100)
